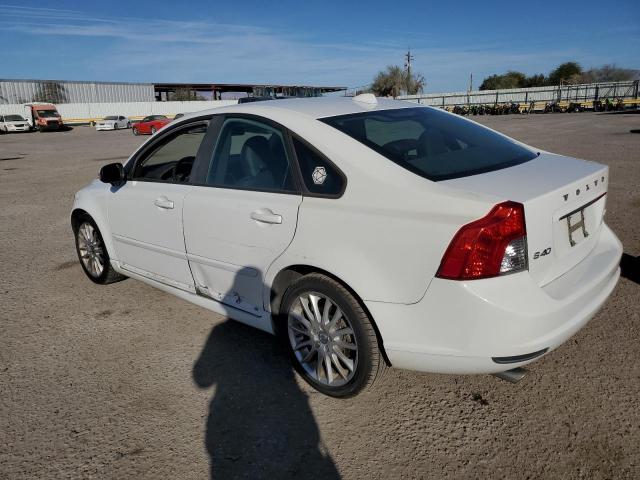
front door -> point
(146, 212)
(245, 214)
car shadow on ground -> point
(260, 424)
(630, 267)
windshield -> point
(13, 118)
(432, 143)
(110, 118)
(48, 114)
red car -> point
(150, 125)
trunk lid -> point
(564, 204)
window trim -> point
(153, 144)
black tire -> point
(108, 274)
(115, 126)
(41, 129)
(370, 365)
(135, 131)
(153, 130)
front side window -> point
(251, 155)
(432, 143)
(172, 159)
(110, 118)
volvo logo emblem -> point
(587, 187)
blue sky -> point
(298, 42)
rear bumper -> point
(461, 327)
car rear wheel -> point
(153, 130)
(115, 126)
(135, 131)
(93, 254)
(330, 338)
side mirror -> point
(112, 173)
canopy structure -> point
(214, 91)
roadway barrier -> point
(584, 94)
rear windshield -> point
(432, 143)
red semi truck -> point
(43, 116)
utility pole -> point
(408, 58)
(471, 82)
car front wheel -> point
(135, 131)
(330, 338)
(93, 254)
(153, 130)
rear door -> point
(244, 213)
(146, 212)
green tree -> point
(565, 72)
(511, 79)
(537, 80)
(395, 81)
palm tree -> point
(395, 81)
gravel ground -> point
(125, 381)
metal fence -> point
(59, 92)
(568, 93)
(77, 113)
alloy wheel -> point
(91, 249)
(322, 339)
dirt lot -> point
(125, 381)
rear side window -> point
(432, 143)
(319, 175)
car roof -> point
(316, 107)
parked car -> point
(365, 232)
(150, 125)
(43, 117)
(114, 122)
(13, 123)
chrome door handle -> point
(163, 202)
(264, 215)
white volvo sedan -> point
(113, 122)
(365, 232)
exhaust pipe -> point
(513, 376)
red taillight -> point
(488, 247)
